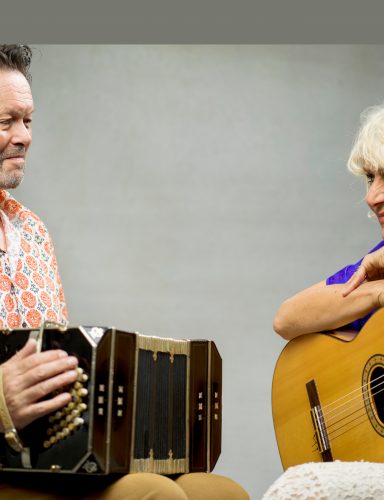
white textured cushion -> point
(330, 481)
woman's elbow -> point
(283, 327)
(280, 330)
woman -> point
(349, 297)
(344, 301)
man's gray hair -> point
(16, 58)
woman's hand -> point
(30, 376)
(371, 269)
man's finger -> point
(31, 412)
(48, 386)
(38, 358)
(27, 349)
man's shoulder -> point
(20, 215)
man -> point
(30, 293)
(30, 286)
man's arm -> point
(323, 307)
(30, 376)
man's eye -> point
(5, 123)
(28, 122)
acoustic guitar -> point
(328, 396)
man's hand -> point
(371, 269)
(30, 376)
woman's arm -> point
(370, 269)
(323, 307)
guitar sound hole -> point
(377, 391)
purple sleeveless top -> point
(343, 276)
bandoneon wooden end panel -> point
(140, 404)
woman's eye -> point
(370, 179)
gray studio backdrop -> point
(190, 189)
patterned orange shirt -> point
(30, 287)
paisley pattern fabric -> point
(30, 287)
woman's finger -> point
(356, 280)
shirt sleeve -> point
(342, 276)
(52, 277)
(62, 313)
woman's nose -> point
(375, 192)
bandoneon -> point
(140, 404)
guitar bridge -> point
(319, 422)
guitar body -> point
(348, 377)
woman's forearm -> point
(323, 307)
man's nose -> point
(21, 135)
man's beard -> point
(12, 179)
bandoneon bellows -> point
(140, 404)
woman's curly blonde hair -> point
(367, 154)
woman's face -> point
(375, 197)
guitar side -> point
(336, 367)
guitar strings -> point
(355, 416)
(315, 445)
(362, 388)
(366, 396)
(358, 389)
(331, 435)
